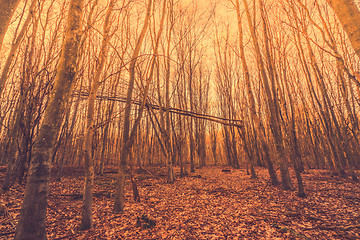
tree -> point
(31, 223)
(349, 16)
(15, 46)
(268, 80)
(86, 221)
(7, 10)
(126, 148)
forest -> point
(179, 119)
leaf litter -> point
(208, 204)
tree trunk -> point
(271, 98)
(349, 16)
(169, 162)
(86, 221)
(7, 10)
(120, 182)
(31, 223)
(15, 46)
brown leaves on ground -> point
(210, 204)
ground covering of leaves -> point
(207, 204)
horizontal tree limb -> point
(220, 120)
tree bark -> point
(169, 163)
(271, 98)
(15, 46)
(120, 182)
(7, 10)
(251, 99)
(31, 223)
(86, 221)
(349, 16)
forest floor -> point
(208, 204)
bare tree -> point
(86, 221)
(7, 10)
(349, 16)
(15, 46)
(126, 148)
(31, 223)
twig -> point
(267, 182)
(292, 231)
(67, 236)
(7, 213)
(341, 228)
(149, 172)
(7, 233)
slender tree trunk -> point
(15, 46)
(248, 88)
(349, 16)
(169, 163)
(271, 99)
(86, 221)
(295, 155)
(31, 223)
(7, 10)
(120, 182)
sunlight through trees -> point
(125, 86)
